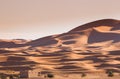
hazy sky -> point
(32, 19)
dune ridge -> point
(87, 48)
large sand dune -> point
(91, 47)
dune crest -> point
(86, 48)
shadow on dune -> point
(43, 41)
(69, 42)
(17, 61)
(16, 68)
(117, 58)
(93, 58)
(5, 52)
(116, 28)
(89, 53)
(114, 70)
(71, 69)
(114, 53)
(51, 55)
(10, 45)
(11, 58)
(95, 37)
(68, 67)
(110, 66)
(39, 42)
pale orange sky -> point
(32, 19)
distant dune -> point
(91, 47)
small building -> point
(8, 74)
(35, 73)
(24, 74)
(30, 73)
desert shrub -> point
(50, 75)
(3, 77)
(83, 74)
(110, 73)
(16, 76)
(11, 76)
(45, 76)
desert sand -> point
(92, 47)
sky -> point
(33, 19)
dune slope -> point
(91, 47)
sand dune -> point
(87, 48)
